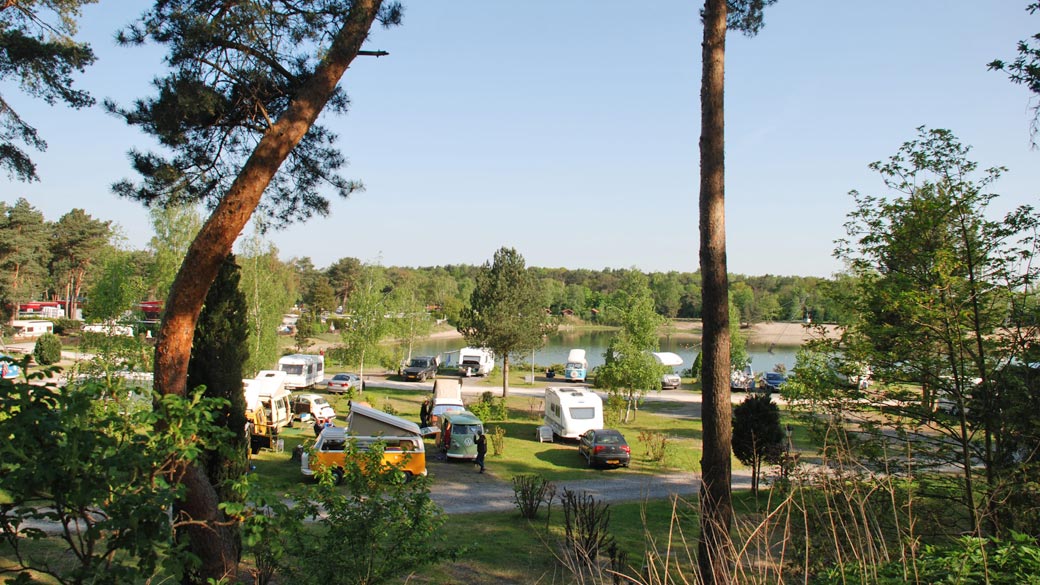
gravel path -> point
(470, 492)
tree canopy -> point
(38, 53)
(506, 314)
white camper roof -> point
(667, 358)
(367, 421)
(576, 355)
(447, 388)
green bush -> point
(968, 560)
(65, 326)
(47, 350)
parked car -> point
(671, 381)
(420, 368)
(771, 381)
(342, 383)
(605, 447)
(312, 406)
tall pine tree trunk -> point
(505, 375)
(210, 539)
(715, 550)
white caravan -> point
(302, 370)
(476, 361)
(569, 412)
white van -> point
(569, 412)
(577, 366)
(302, 370)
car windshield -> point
(609, 439)
(574, 365)
(418, 363)
(320, 401)
(341, 377)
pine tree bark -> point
(505, 376)
(715, 549)
(211, 538)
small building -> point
(31, 328)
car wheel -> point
(337, 476)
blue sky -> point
(569, 130)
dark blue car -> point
(771, 381)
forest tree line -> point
(81, 257)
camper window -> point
(583, 413)
(292, 369)
(462, 429)
(333, 445)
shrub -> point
(586, 524)
(656, 444)
(498, 440)
(530, 491)
(65, 326)
(614, 412)
(489, 408)
(47, 350)
(968, 560)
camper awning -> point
(667, 358)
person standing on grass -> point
(481, 450)
(424, 413)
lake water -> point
(763, 358)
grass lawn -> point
(522, 453)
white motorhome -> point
(267, 408)
(569, 412)
(476, 361)
(577, 366)
(302, 370)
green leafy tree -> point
(39, 55)
(175, 226)
(24, 253)
(742, 297)
(376, 531)
(629, 367)
(715, 550)
(269, 287)
(1025, 69)
(414, 322)
(937, 289)
(366, 312)
(116, 290)
(758, 436)
(83, 458)
(506, 314)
